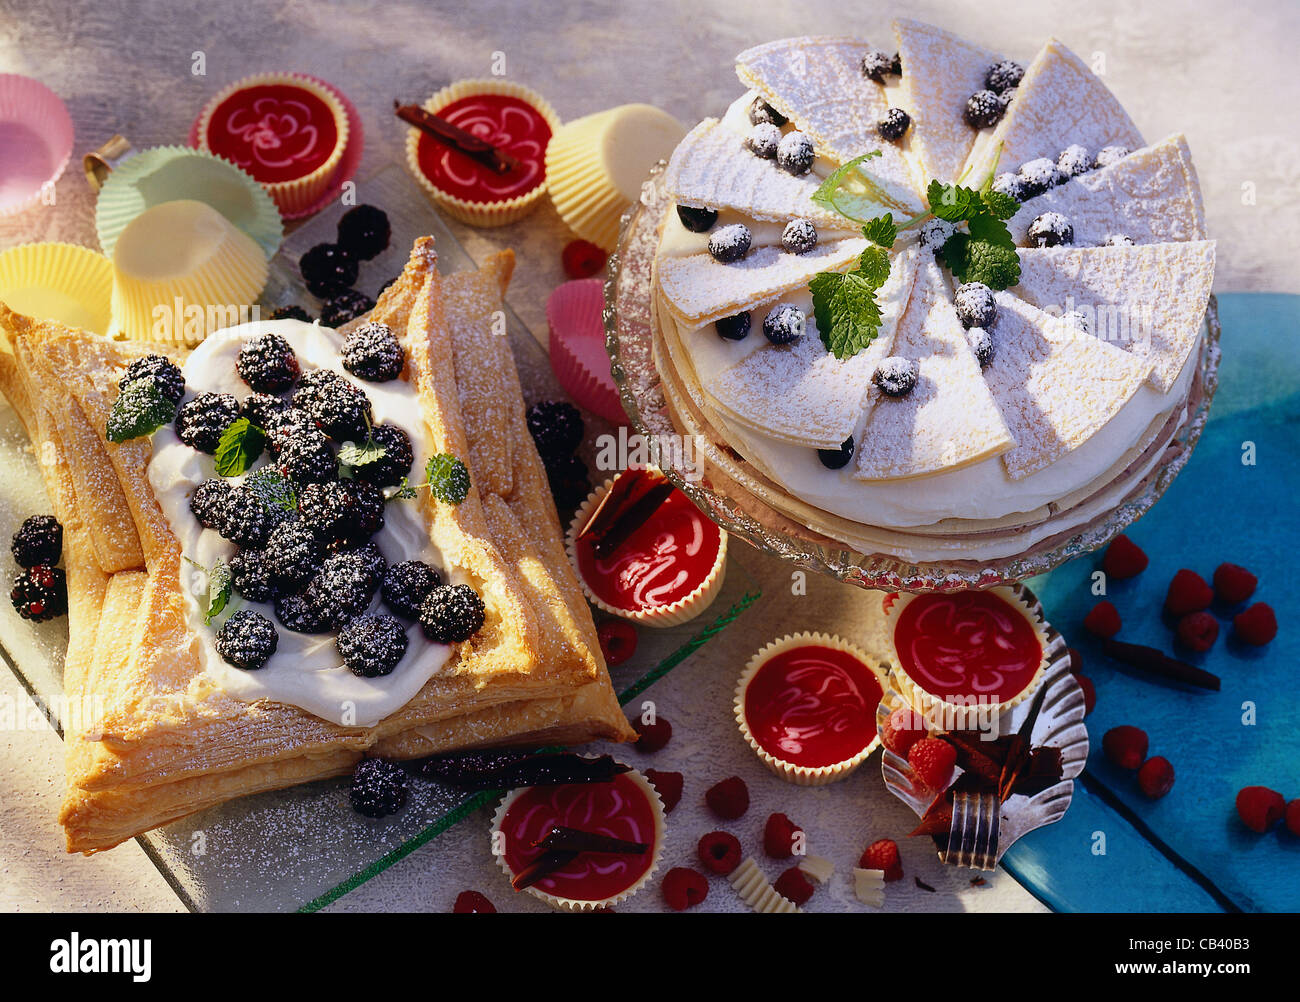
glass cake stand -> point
(744, 502)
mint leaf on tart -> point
(986, 254)
(239, 446)
(403, 492)
(851, 191)
(448, 478)
(141, 408)
(848, 316)
(1000, 206)
(219, 590)
(352, 455)
(881, 231)
(272, 488)
(953, 202)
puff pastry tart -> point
(183, 720)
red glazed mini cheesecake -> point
(625, 807)
(286, 130)
(980, 648)
(514, 120)
(669, 561)
(807, 706)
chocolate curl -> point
(1152, 661)
(626, 506)
(560, 839)
(1019, 748)
(542, 867)
(457, 138)
(498, 770)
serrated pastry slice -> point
(1060, 102)
(817, 83)
(699, 289)
(1148, 299)
(1055, 386)
(949, 419)
(803, 394)
(940, 72)
(1150, 196)
(711, 168)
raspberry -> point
(779, 835)
(1188, 592)
(720, 852)
(1257, 625)
(472, 903)
(684, 888)
(1089, 693)
(250, 574)
(653, 736)
(1259, 807)
(293, 554)
(617, 641)
(1103, 621)
(372, 353)
(200, 422)
(344, 307)
(668, 785)
(904, 729)
(1234, 584)
(728, 799)
(582, 259)
(406, 585)
(372, 646)
(1292, 816)
(364, 232)
(794, 886)
(40, 593)
(378, 788)
(1198, 631)
(343, 513)
(1156, 777)
(327, 269)
(1124, 559)
(556, 427)
(933, 761)
(883, 855)
(247, 640)
(340, 409)
(389, 469)
(1125, 745)
(164, 371)
(451, 613)
(267, 363)
(39, 540)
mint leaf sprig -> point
(848, 315)
(141, 408)
(239, 446)
(220, 586)
(445, 477)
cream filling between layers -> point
(306, 670)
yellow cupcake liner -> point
(803, 775)
(65, 283)
(675, 613)
(581, 174)
(576, 904)
(182, 270)
(940, 710)
(298, 195)
(485, 214)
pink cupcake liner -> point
(36, 137)
(577, 345)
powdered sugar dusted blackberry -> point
(795, 153)
(1050, 229)
(975, 305)
(1038, 176)
(1108, 155)
(1074, 160)
(934, 233)
(981, 345)
(1118, 240)
(730, 243)
(799, 236)
(763, 139)
(784, 324)
(984, 109)
(895, 376)
(1007, 183)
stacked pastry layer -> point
(1094, 352)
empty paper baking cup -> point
(65, 283)
(182, 270)
(35, 141)
(169, 173)
(575, 314)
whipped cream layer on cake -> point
(306, 670)
(977, 422)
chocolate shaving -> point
(542, 867)
(508, 770)
(977, 881)
(1153, 661)
(922, 884)
(457, 138)
(626, 506)
(1019, 748)
(560, 839)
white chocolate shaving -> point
(869, 887)
(818, 868)
(756, 891)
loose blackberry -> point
(293, 554)
(394, 464)
(785, 324)
(984, 109)
(168, 374)
(730, 243)
(1051, 229)
(267, 363)
(1008, 184)
(250, 574)
(1003, 76)
(935, 233)
(556, 427)
(896, 376)
(342, 513)
(208, 502)
(364, 232)
(406, 584)
(200, 422)
(451, 613)
(297, 613)
(837, 459)
(981, 344)
(378, 788)
(1073, 161)
(344, 307)
(975, 305)
(567, 478)
(39, 540)
(371, 646)
(760, 111)
(795, 154)
(1108, 155)
(308, 459)
(733, 328)
(291, 312)
(371, 352)
(340, 409)
(697, 220)
(40, 593)
(245, 520)
(247, 640)
(894, 124)
(344, 586)
(1038, 176)
(799, 236)
(263, 409)
(876, 65)
(762, 141)
(287, 424)
(328, 269)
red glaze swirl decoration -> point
(813, 706)
(276, 132)
(661, 562)
(508, 123)
(619, 808)
(970, 643)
